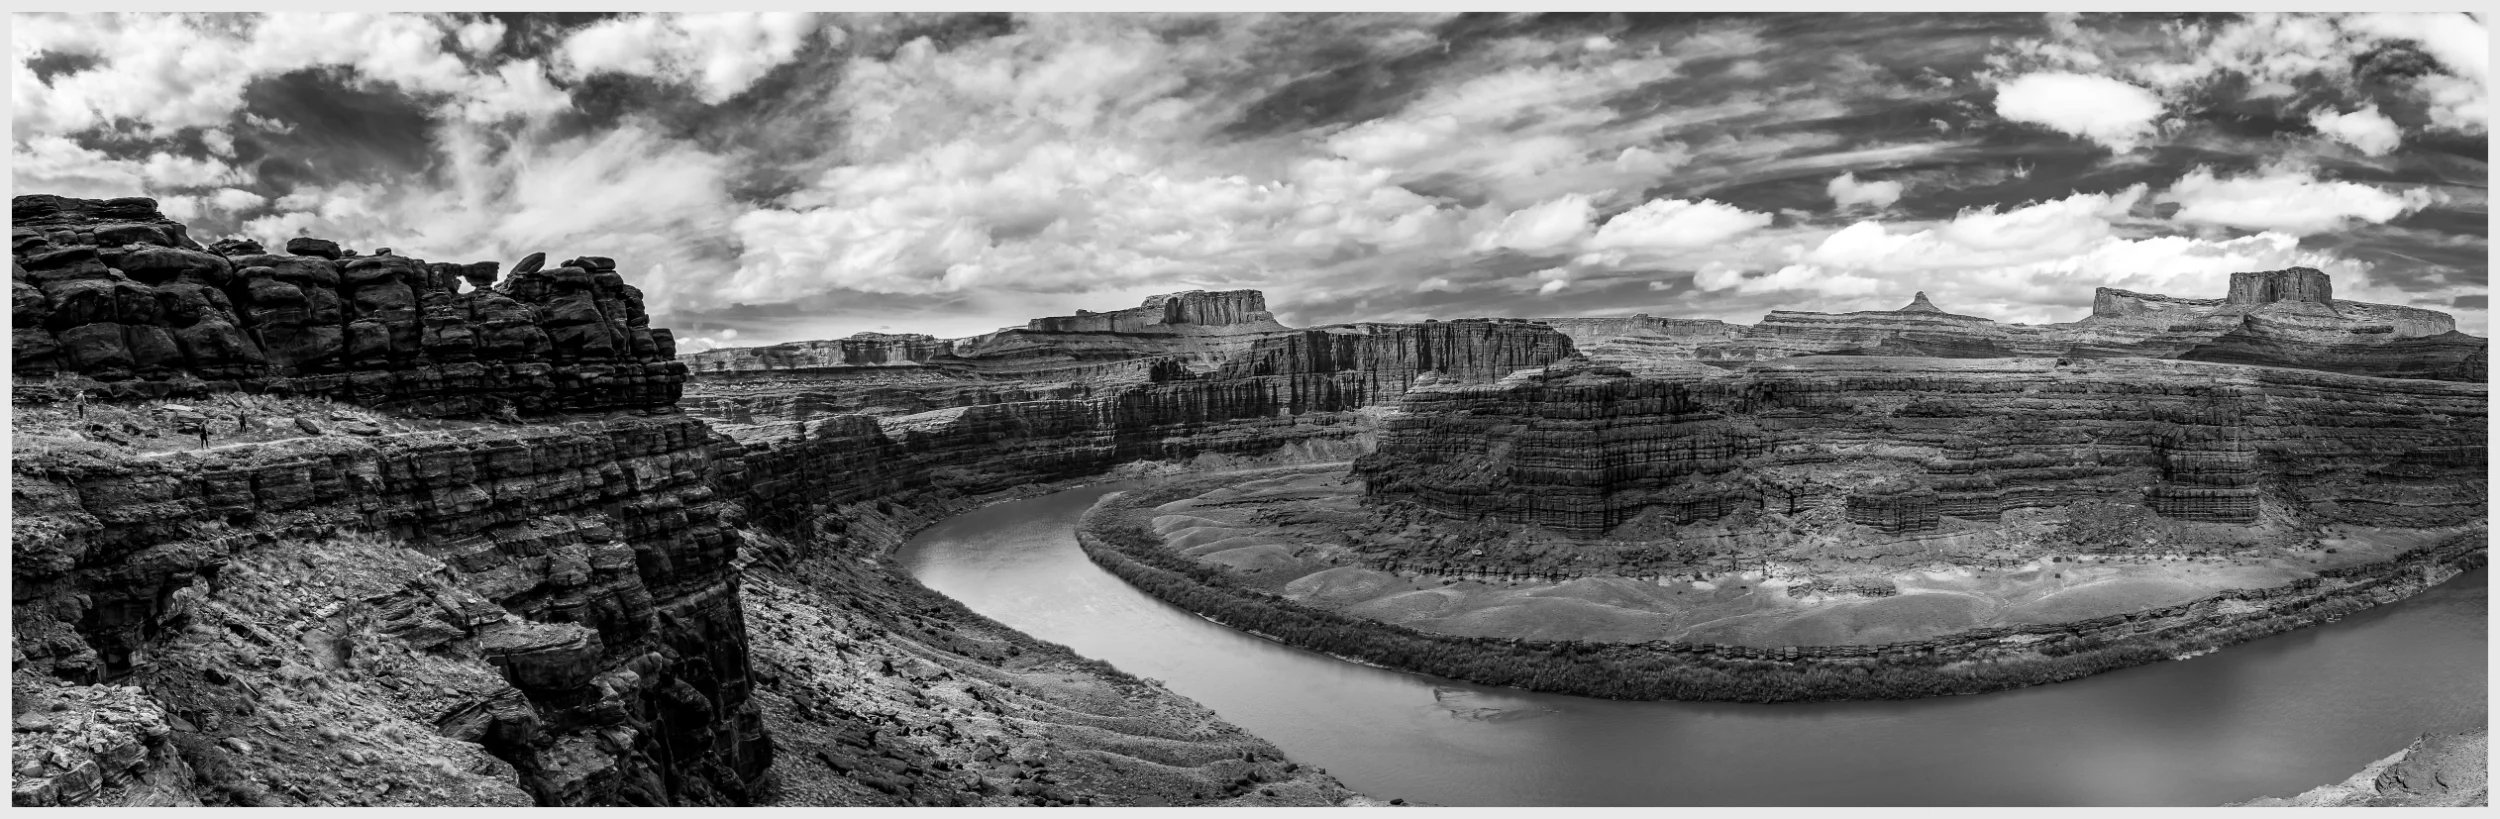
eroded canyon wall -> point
(112, 291)
(1583, 449)
(528, 611)
(2276, 318)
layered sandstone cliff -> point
(113, 292)
(2276, 318)
(1584, 449)
(1192, 312)
(266, 553)
(859, 350)
(553, 600)
(1057, 399)
(581, 565)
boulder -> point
(308, 246)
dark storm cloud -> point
(48, 64)
(338, 132)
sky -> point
(778, 177)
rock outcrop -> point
(115, 294)
(584, 563)
(1193, 312)
(2435, 770)
(2275, 318)
(859, 350)
(1583, 449)
(360, 595)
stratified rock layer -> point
(378, 602)
(1581, 450)
(584, 562)
(2276, 318)
(116, 293)
(1193, 312)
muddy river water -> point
(2272, 717)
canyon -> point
(554, 561)
(324, 528)
(1857, 505)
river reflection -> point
(2269, 718)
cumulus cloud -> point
(1846, 190)
(2289, 200)
(2367, 130)
(165, 73)
(658, 205)
(2037, 263)
(1068, 159)
(719, 54)
(2285, 58)
(1375, 166)
(519, 89)
(60, 165)
(1554, 280)
(1674, 224)
(235, 199)
(1544, 227)
(2107, 111)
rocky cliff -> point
(113, 292)
(581, 565)
(859, 350)
(555, 600)
(305, 529)
(2276, 318)
(1584, 449)
(1192, 312)
(1057, 400)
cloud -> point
(60, 165)
(233, 199)
(481, 38)
(1520, 134)
(2366, 129)
(2037, 263)
(2107, 111)
(719, 54)
(1846, 190)
(949, 174)
(2285, 59)
(1545, 227)
(1554, 278)
(1664, 225)
(518, 89)
(2289, 200)
(658, 205)
(165, 73)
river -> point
(2272, 717)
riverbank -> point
(1117, 535)
(2437, 770)
(879, 691)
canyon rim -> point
(1116, 410)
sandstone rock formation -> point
(586, 563)
(116, 294)
(2435, 770)
(2276, 318)
(1583, 449)
(1037, 403)
(386, 600)
(1193, 312)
